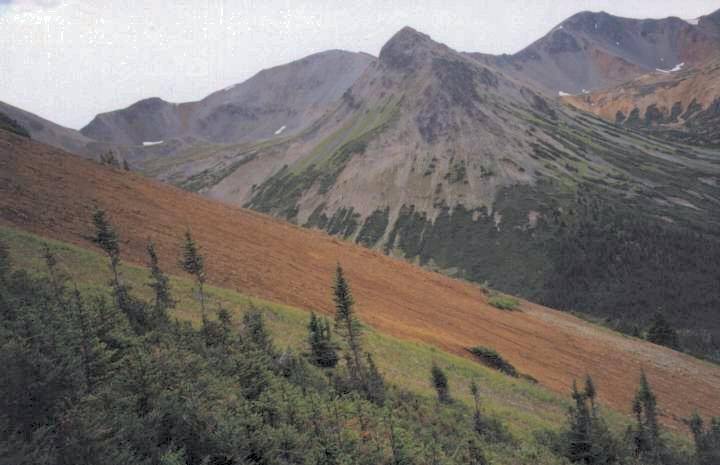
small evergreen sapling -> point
(160, 284)
(440, 382)
(193, 263)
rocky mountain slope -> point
(437, 158)
(591, 51)
(51, 193)
(280, 100)
(683, 105)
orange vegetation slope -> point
(52, 193)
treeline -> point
(644, 278)
(110, 378)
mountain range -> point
(482, 167)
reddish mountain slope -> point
(52, 193)
(684, 103)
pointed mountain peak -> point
(405, 47)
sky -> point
(67, 60)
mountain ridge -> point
(595, 50)
(283, 98)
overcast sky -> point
(67, 60)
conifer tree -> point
(348, 326)
(57, 279)
(588, 439)
(646, 436)
(107, 239)
(160, 284)
(440, 382)
(256, 332)
(579, 448)
(590, 392)
(95, 357)
(478, 423)
(193, 263)
(323, 352)
(660, 332)
(707, 442)
(375, 382)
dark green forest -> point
(637, 276)
(114, 379)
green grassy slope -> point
(525, 407)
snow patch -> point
(279, 131)
(557, 28)
(564, 94)
(693, 21)
(676, 68)
(585, 91)
(149, 143)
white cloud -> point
(27, 5)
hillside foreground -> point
(50, 193)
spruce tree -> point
(193, 263)
(375, 382)
(646, 436)
(707, 441)
(322, 349)
(348, 326)
(579, 447)
(57, 279)
(440, 382)
(588, 439)
(160, 284)
(256, 332)
(478, 423)
(660, 332)
(107, 239)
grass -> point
(504, 302)
(525, 407)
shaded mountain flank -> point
(591, 51)
(439, 159)
(48, 132)
(280, 100)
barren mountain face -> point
(591, 51)
(280, 100)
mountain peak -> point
(404, 47)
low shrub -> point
(494, 360)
